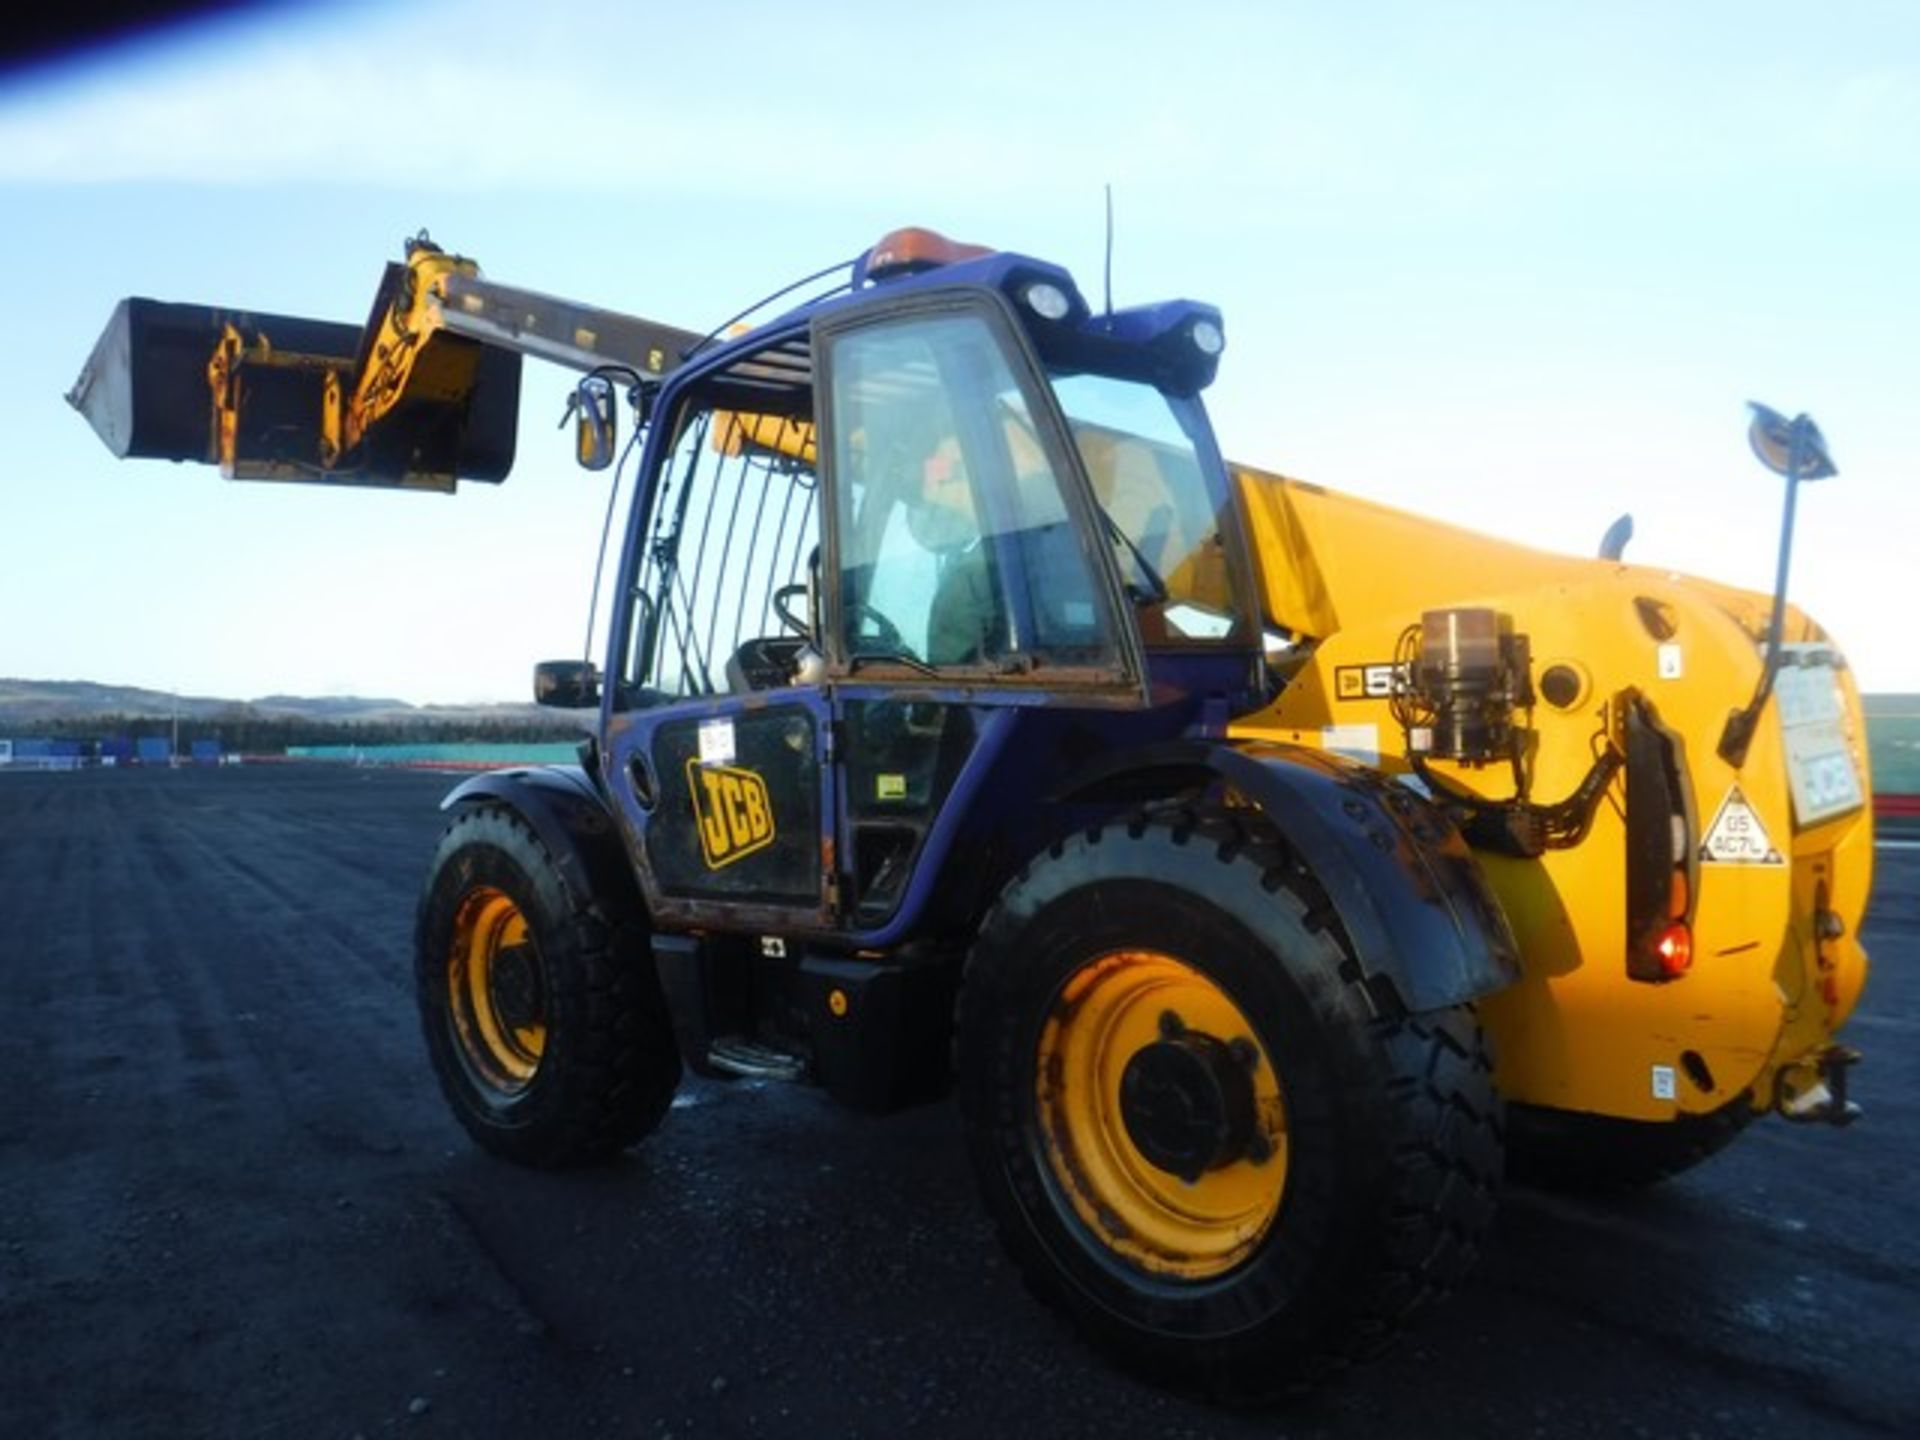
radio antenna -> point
(1109, 263)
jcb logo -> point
(1366, 682)
(734, 814)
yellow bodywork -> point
(409, 362)
(411, 358)
(1343, 578)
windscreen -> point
(1167, 528)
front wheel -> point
(542, 1015)
(1194, 1133)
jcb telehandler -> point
(1265, 867)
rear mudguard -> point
(567, 812)
(1415, 907)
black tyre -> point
(1561, 1150)
(1196, 1136)
(542, 1015)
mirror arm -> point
(1737, 737)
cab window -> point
(1166, 521)
(724, 593)
(957, 550)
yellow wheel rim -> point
(1192, 1225)
(496, 991)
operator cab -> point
(950, 472)
(942, 526)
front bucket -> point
(144, 389)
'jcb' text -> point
(735, 816)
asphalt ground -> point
(233, 1204)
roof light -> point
(1046, 300)
(1207, 337)
(904, 251)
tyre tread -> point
(617, 1081)
(1446, 1157)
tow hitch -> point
(1815, 1091)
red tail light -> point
(1675, 949)
(1659, 851)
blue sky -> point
(1519, 266)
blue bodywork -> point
(1041, 759)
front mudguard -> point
(568, 813)
(1416, 909)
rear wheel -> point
(1196, 1135)
(541, 1013)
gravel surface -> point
(232, 1203)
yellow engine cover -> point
(1776, 904)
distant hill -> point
(26, 703)
(333, 707)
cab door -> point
(717, 730)
(972, 612)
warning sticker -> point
(716, 742)
(1737, 837)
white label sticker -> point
(773, 947)
(1670, 661)
(716, 742)
(1737, 837)
(1663, 1087)
(1356, 742)
(1820, 768)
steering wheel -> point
(782, 599)
(887, 635)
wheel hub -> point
(496, 992)
(515, 984)
(1187, 1103)
(1161, 1115)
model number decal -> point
(1365, 682)
(733, 811)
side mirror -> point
(595, 430)
(566, 684)
(1794, 448)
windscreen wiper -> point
(1156, 588)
